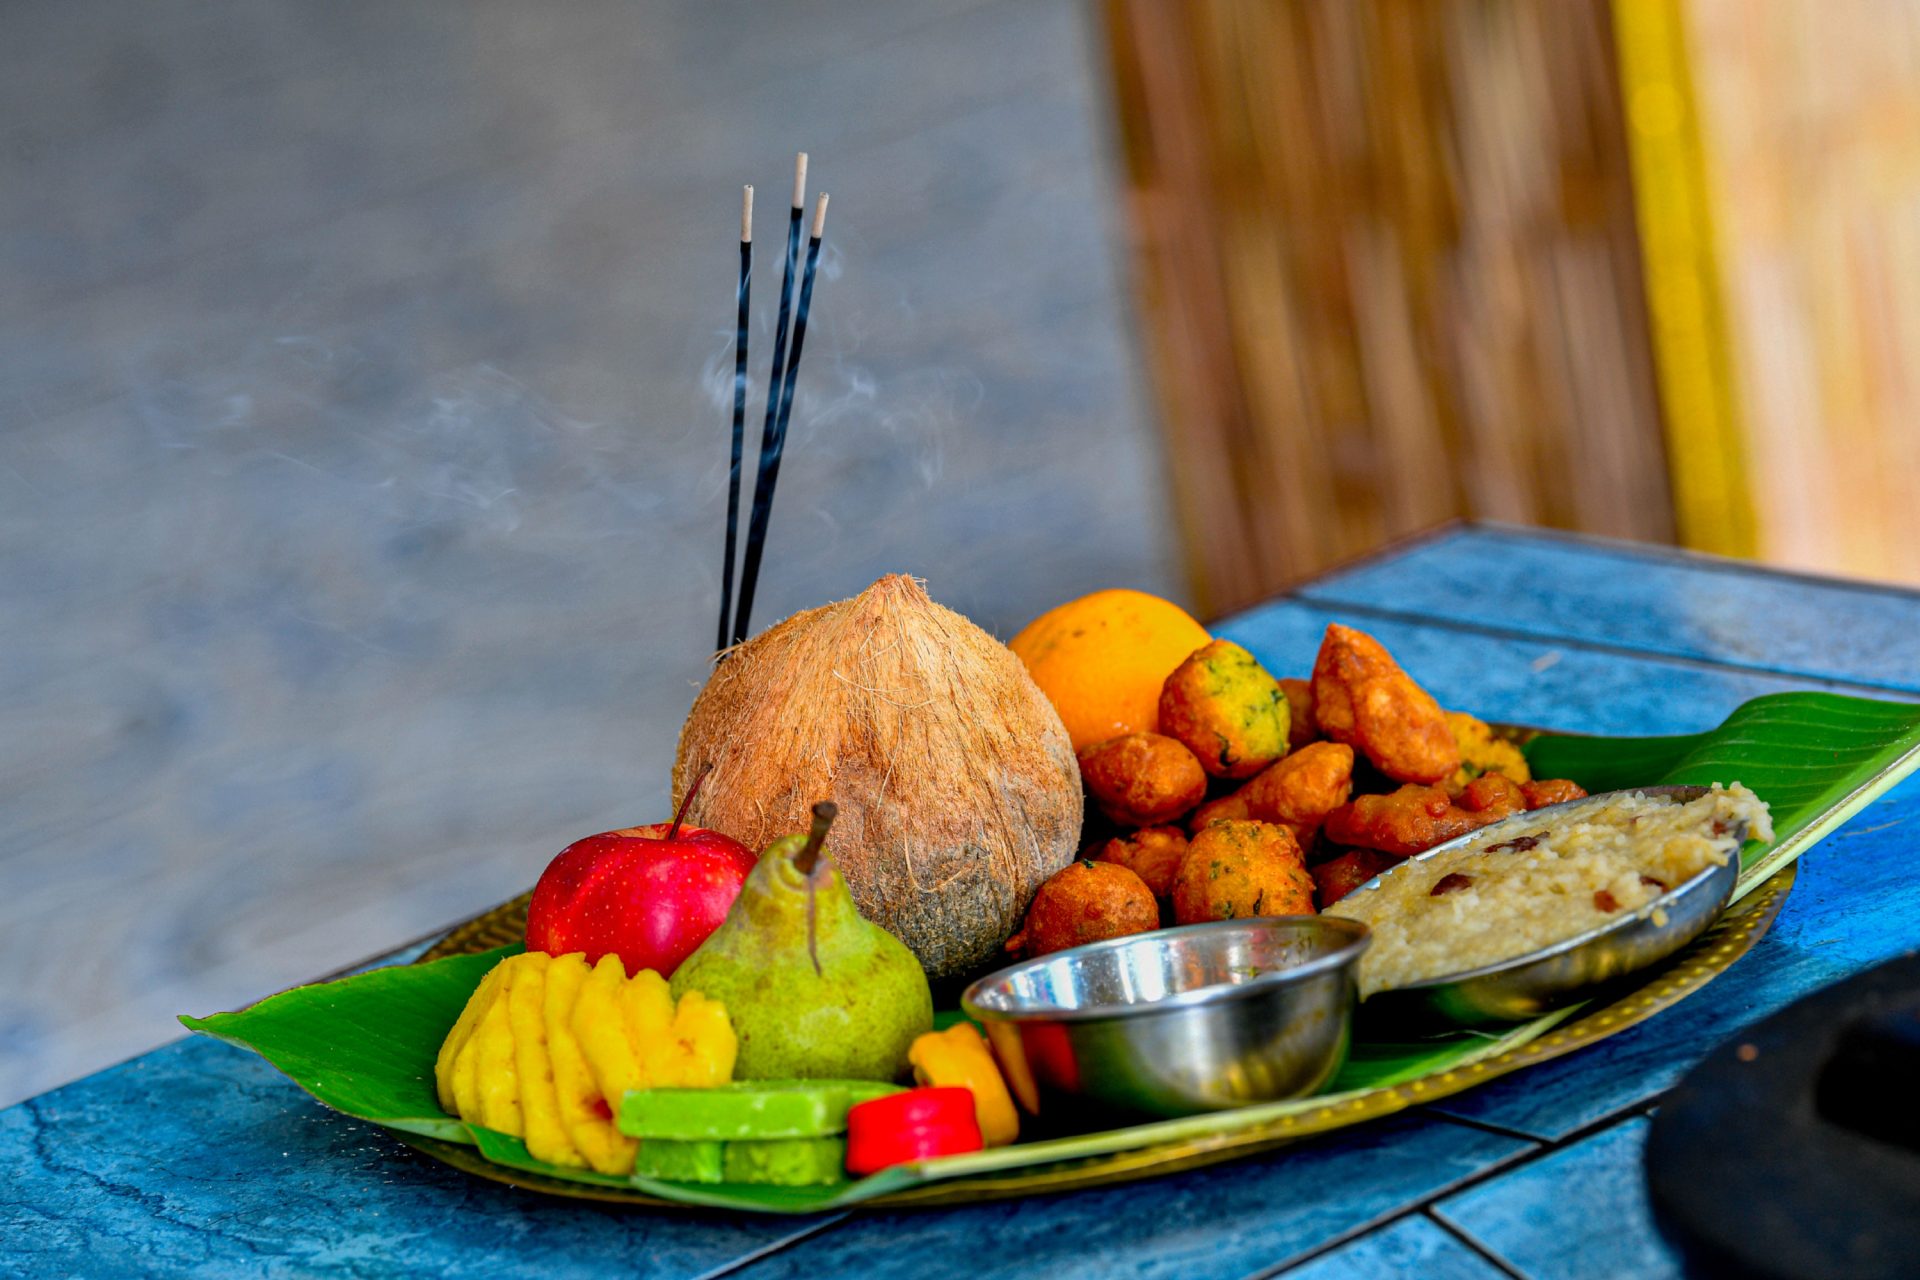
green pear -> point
(814, 988)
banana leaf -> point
(1815, 758)
(365, 1045)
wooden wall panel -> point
(1810, 115)
(1386, 258)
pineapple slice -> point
(466, 1074)
(546, 1137)
(477, 1005)
(647, 1009)
(496, 1072)
(584, 1112)
(703, 1044)
(600, 1025)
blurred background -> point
(365, 369)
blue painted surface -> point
(1411, 1247)
(200, 1159)
(1855, 903)
(1648, 600)
(1523, 681)
(1229, 1220)
(1577, 1214)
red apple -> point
(650, 894)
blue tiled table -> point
(199, 1159)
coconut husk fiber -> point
(957, 785)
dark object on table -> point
(1794, 1150)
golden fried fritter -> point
(1361, 697)
(1482, 752)
(1237, 870)
(1337, 877)
(1301, 727)
(1539, 795)
(1414, 819)
(1152, 853)
(1227, 808)
(1085, 902)
(1301, 789)
(1142, 779)
(1228, 711)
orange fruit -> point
(1101, 660)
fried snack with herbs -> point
(1222, 808)
(1085, 902)
(1362, 698)
(1482, 752)
(1546, 791)
(1302, 728)
(1228, 711)
(1152, 853)
(1337, 877)
(1228, 808)
(1416, 818)
(1238, 870)
(1142, 779)
(1302, 789)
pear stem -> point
(804, 862)
(680, 814)
(809, 856)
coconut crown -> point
(958, 789)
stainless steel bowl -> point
(1527, 986)
(1198, 1018)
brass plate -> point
(1743, 924)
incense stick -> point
(769, 455)
(756, 535)
(799, 330)
(739, 413)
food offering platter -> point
(365, 1045)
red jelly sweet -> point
(915, 1124)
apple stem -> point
(680, 814)
(805, 861)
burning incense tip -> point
(800, 181)
(820, 215)
(746, 214)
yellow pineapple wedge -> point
(703, 1044)
(646, 1014)
(584, 1111)
(546, 1048)
(545, 1136)
(600, 1025)
(461, 1082)
(466, 1065)
(477, 1004)
(496, 1072)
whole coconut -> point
(958, 789)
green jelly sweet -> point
(859, 1091)
(747, 1110)
(786, 1162)
(670, 1161)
